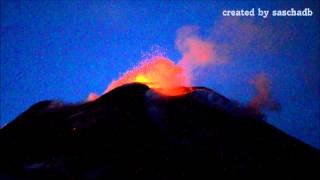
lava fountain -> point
(160, 74)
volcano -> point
(134, 132)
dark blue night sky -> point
(66, 49)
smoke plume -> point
(263, 99)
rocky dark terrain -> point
(132, 132)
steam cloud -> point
(195, 50)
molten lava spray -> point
(163, 75)
(158, 73)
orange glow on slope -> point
(142, 79)
(160, 74)
(92, 97)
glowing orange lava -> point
(160, 74)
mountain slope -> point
(132, 132)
